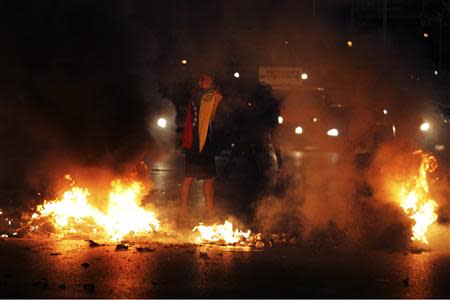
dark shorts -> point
(200, 165)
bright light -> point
(184, 61)
(161, 123)
(425, 126)
(298, 130)
(304, 76)
(349, 43)
(385, 111)
(280, 120)
(236, 75)
(439, 147)
(425, 34)
(333, 132)
(436, 72)
(314, 120)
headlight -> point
(333, 132)
(162, 122)
(280, 120)
(298, 130)
(425, 126)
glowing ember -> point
(415, 201)
(74, 214)
(220, 233)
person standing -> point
(197, 142)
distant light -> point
(425, 126)
(184, 61)
(304, 76)
(314, 120)
(333, 132)
(349, 43)
(425, 34)
(280, 120)
(162, 123)
(249, 103)
(436, 72)
(385, 111)
(286, 42)
(394, 130)
(298, 130)
(236, 75)
(439, 147)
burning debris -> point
(221, 234)
(73, 214)
(414, 198)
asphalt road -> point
(41, 268)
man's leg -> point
(208, 192)
(185, 189)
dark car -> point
(308, 121)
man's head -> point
(205, 81)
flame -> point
(74, 214)
(220, 233)
(415, 201)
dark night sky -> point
(80, 79)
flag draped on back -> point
(205, 118)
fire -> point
(74, 214)
(220, 233)
(414, 198)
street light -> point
(349, 44)
(304, 76)
(425, 35)
(184, 61)
(236, 75)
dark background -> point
(81, 79)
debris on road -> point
(121, 247)
(89, 287)
(405, 281)
(145, 249)
(55, 253)
(85, 265)
(259, 244)
(94, 244)
(42, 283)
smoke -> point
(339, 201)
(318, 199)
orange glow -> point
(73, 214)
(415, 201)
(220, 233)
